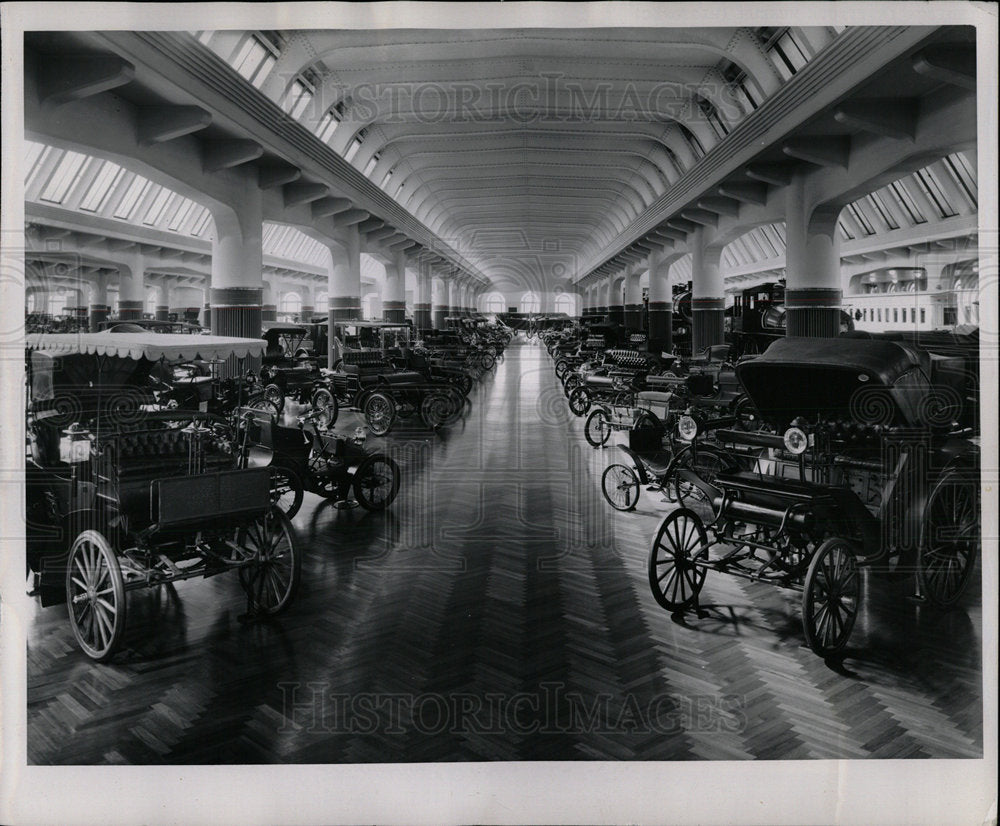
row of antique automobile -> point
(798, 467)
(153, 458)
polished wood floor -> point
(499, 611)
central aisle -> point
(499, 610)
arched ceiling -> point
(526, 149)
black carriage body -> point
(149, 480)
(881, 431)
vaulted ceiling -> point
(529, 150)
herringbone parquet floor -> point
(500, 611)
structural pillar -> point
(308, 307)
(99, 308)
(813, 290)
(162, 312)
(268, 306)
(439, 302)
(131, 289)
(422, 302)
(187, 303)
(633, 300)
(616, 306)
(708, 295)
(345, 278)
(394, 299)
(237, 283)
(454, 297)
(661, 315)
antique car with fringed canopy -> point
(869, 465)
(124, 494)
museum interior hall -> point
(516, 394)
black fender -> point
(640, 468)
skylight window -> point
(370, 166)
(156, 208)
(963, 176)
(63, 178)
(254, 61)
(861, 219)
(136, 190)
(879, 205)
(904, 200)
(352, 150)
(103, 185)
(298, 99)
(931, 187)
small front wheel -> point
(677, 560)
(597, 429)
(326, 407)
(276, 396)
(579, 401)
(831, 597)
(380, 413)
(376, 482)
(620, 487)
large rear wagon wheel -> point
(680, 543)
(620, 487)
(271, 580)
(950, 540)
(831, 597)
(95, 595)
(376, 482)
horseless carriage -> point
(868, 467)
(383, 390)
(615, 378)
(329, 464)
(122, 495)
(289, 369)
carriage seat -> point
(628, 359)
(655, 397)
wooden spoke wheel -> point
(326, 407)
(376, 482)
(620, 487)
(949, 540)
(258, 401)
(95, 595)
(579, 401)
(597, 428)
(271, 580)
(276, 396)
(286, 490)
(570, 382)
(831, 597)
(562, 367)
(674, 577)
(487, 360)
(380, 413)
